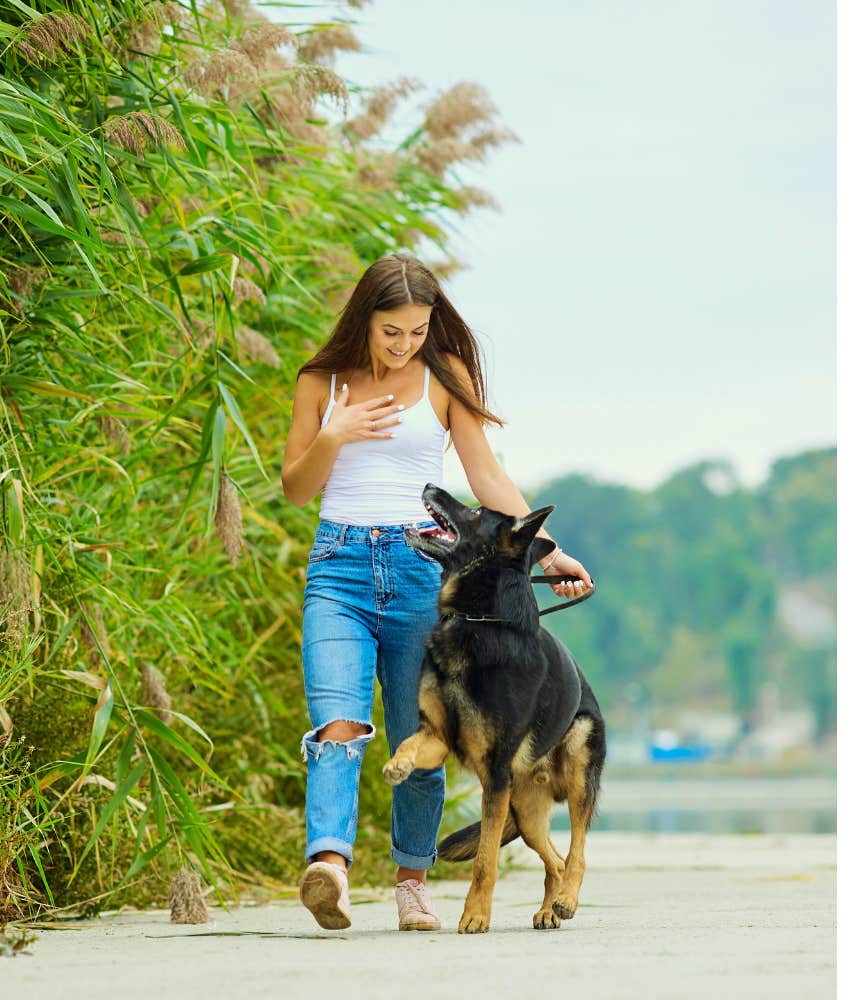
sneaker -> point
(324, 891)
(415, 909)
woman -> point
(368, 430)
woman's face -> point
(395, 335)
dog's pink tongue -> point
(438, 531)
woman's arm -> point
(311, 449)
(491, 484)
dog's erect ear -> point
(527, 527)
(539, 548)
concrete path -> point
(661, 916)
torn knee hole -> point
(343, 730)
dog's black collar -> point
(478, 618)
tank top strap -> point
(328, 408)
(427, 373)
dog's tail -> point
(463, 844)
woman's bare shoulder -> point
(313, 389)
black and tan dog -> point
(507, 699)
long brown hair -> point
(393, 281)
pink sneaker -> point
(324, 891)
(415, 909)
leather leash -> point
(564, 579)
(540, 578)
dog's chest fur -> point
(456, 695)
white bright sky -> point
(658, 287)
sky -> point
(657, 287)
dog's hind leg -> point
(581, 778)
(423, 749)
(479, 899)
(531, 805)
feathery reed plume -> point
(228, 519)
(22, 281)
(47, 37)
(261, 267)
(442, 269)
(448, 118)
(261, 41)
(257, 346)
(436, 156)
(323, 43)
(153, 694)
(380, 106)
(244, 290)
(463, 104)
(144, 33)
(309, 81)
(185, 897)
(209, 75)
(16, 597)
(111, 426)
(137, 130)
(377, 170)
(470, 196)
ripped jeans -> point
(369, 602)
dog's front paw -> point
(473, 922)
(565, 908)
(546, 919)
(397, 770)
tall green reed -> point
(186, 199)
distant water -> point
(714, 805)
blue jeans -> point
(369, 602)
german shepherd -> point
(507, 699)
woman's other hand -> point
(365, 421)
(565, 565)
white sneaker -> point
(415, 909)
(324, 891)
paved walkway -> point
(666, 916)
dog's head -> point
(468, 536)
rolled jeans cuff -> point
(413, 861)
(330, 844)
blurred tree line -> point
(704, 586)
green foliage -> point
(180, 220)
(689, 576)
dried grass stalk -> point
(46, 38)
(186, 899)
(257, 346)
(210, 75)
(381, 105)
(260, 42)
(228, 519)
(113, 427)
(138, 130)
(16, 596)
(323, 43)
(152, 693)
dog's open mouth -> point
(444, 532)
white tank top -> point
(381, 481)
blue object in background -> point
(686, 752)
